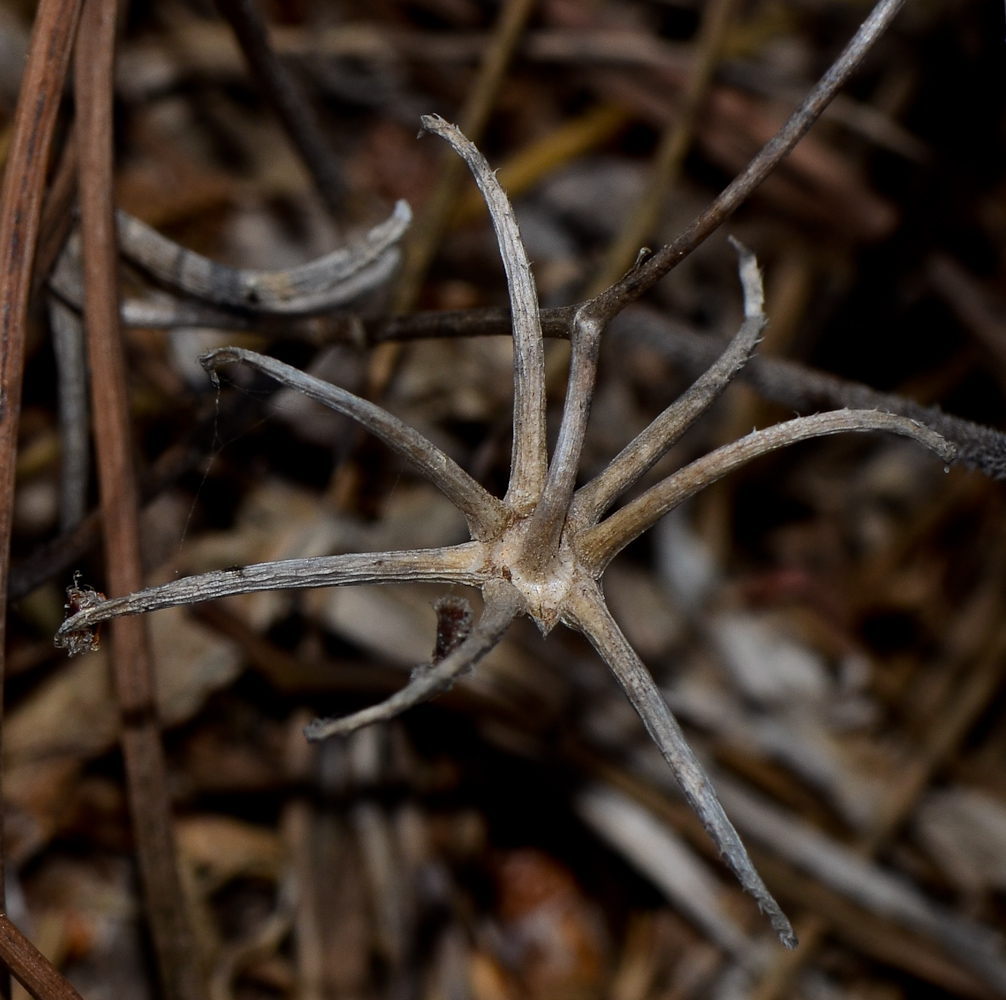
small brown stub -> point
(454, 622)
(85, 640)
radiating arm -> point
(484, 513)
(454, 564)
(530, 455)
(549, 516)
(594, 620)
(651, 444)
(502, 604)
(600, 544)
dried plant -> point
(542, 549)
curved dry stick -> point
(163, 311)
(503, 602)
(485, 515)
(322, 284)
(640, 279)
(651, 444)
(530, 451)
(462, 564)
(600, 544)
(589, 614)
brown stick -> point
(640, 279)
(674, 146)
(289, 99)
(30, 967)
(57, 213)
(20, 209)
(174, 943)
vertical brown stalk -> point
(20, 210)
(174, 944)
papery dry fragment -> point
(86, 638)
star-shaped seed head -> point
(542, 549)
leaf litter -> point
(425, 832)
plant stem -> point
(20, 211)
(146, 777)
(639, 280)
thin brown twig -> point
(146, 777)
(778, 380)
(30, 967)
(673, 147)
(20, 211)
(639, 280)
(289, 99)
